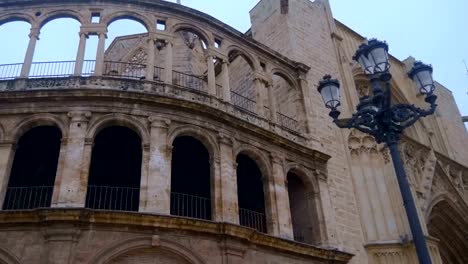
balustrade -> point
(190, 206)
(112, 198)
(30, 197)
(252, 219)
(243, 102)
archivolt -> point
(119, 120)
(145, 21)
(35, 121)
(257, 155)
(200, 134)
(65, 13)
(192, 28)
(16, 17)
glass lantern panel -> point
(366, 65)
(424, 82)
(379, 57)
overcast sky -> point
(432, 31)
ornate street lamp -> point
(377, 116)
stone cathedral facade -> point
(194, 143)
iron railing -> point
(52, 69)
(125, 69)
(252, 219)
(20, 198)
(188, 81)
(298, 235)
(112, 198)
(287, 122)
(243, 102)
(88, 68)
(190, 206)
(10, 71)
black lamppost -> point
(377, 116)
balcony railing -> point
(158, 74)
(190, 206)
(189, 81)
(10, 71)
(299, 235)
(20, 198)
(252, 219)
(288, 122)
(112, 198)
(125, 69)
(243, 102)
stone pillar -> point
(225, 77)
(168, 69)
(309, 114)
(272, 103)
(211, 75)
(99, 67)
(226, 183)
(157, 187)
(7, 153)
(260, 96)
(326, 214)
(150, 60)
(277, 184)
(28, 58)
(80, 54)
(70, 184)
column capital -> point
(158, 122)
(79, 116)
(225, 139)
(276, 158)
(35, 32)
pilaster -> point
(7, 153)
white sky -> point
(432, 31)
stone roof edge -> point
(177, 8)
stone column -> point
(168, 69)
(28, 58)
(272, 103)
(211, 75)
(150, 60)
(80, 54)
(99, 67)
(157, 186)
(225, 77)
(71, 184)
(278, 186)
(7, 153)
(260, 96)
(226, 183)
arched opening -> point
(115, 170)
(11, 62)
(55, 52)
(301, 208)
(250, 194)
(288, 102)
(34, 168)
(190, 68)
(126, 49)
(241, 81)
(190, 179)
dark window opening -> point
(115, 171)
(217, 43)
(95, 18)
(300, 209)
(190, 179)
(161, 25)
(34, 168)
(250, 194)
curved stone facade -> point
(282, 184)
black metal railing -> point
(124, 69)
(298, 235)
(243, 102)
(88, 68)
(190, 206)
(10, 71)
(158, 74)
(52, 69)
(287, 122)
(113, 198)
(19, 198)
(188, 81)
(252, 219)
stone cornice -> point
(87, 217)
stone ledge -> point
(83, 217)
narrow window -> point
(217, 43)
(95, 18)
(161, 25)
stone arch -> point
(238, 51)
(34, 121)
(286, 76)
(256, 155)
(194, 29)
(63, 13)
(17, 17)
(7, 257)
(128, 245)
(198, 133)
(310, 182)
(145, 21)
(118, 120)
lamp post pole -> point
(377, 116)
